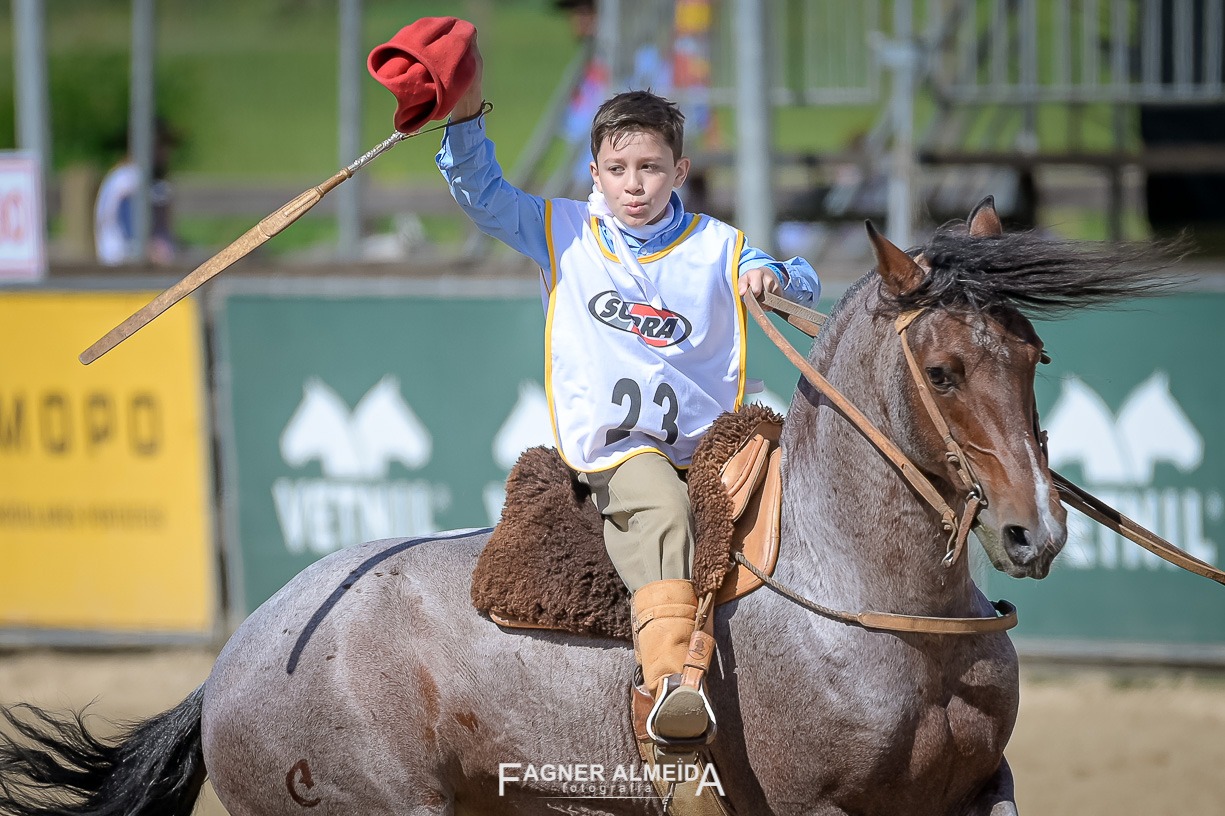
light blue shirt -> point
(503, 211)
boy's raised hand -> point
(759, 281)
(470, 103)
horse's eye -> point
(940, 378)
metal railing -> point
(826, 52)
(987, 65)
(1079, 51)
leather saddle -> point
(545, 566)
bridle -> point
(975, 499)
(957, 525)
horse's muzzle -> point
(1031, 551)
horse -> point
(369, 684)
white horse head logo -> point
(1151, 428)
(361, 445)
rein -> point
(1105, 515)
(957, 525)
(975, 498)
(891, 622)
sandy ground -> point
(1088, 741)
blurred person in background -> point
(115, 240)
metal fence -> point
(828, 52)
(821, 53)
(1078, 51)
(987, 67)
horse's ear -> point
(897, 269)
(984, 220)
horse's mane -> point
(1037, 275)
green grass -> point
(1090, 225)
(311, 231)
(253, 86)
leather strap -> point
(1105, 515)
(1071, 494)
(908, 470)
(806, 320)
(958, 528)
(743, 473)
(956, 455)
(975, 498)
(890, 622)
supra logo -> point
(656, 327)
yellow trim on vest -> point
(741, 317)
(548, 368)
(654, 256)
(548, 239)
(548, 322)
(619, 462)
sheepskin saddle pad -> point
(545, 566)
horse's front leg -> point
(996, 797)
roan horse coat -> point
(370, 685)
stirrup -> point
(671, 685)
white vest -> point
(625, 375)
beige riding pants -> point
(647, 523)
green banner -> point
(1132, 402)
(350, 418)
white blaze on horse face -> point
(1050, 529)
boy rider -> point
(645, 341)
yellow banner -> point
(105, 520)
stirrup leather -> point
(671, 685)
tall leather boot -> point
(664, 614)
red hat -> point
(427, 65)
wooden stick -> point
(252, 238)
(257, 235)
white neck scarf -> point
(634, 283)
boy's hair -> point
(639, 112)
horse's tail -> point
(54, 765)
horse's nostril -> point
(1016, 541)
